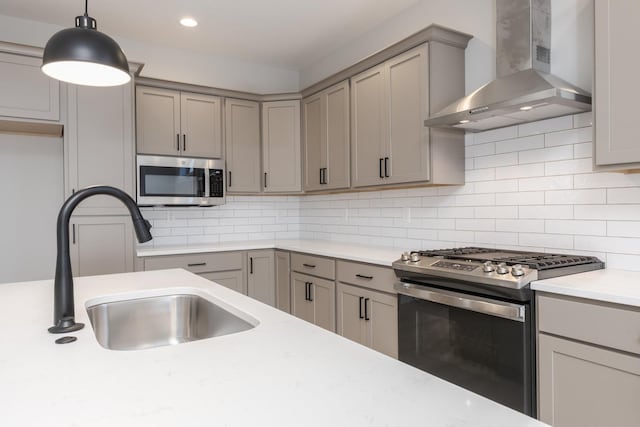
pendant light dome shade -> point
(85, 56)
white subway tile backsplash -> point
(568, 167)
(520, 144)
(497, 160)
(529, 187)
(623, 195)
(583, 120)
(520, 171)
(562, 182)
(568, 137)
(575, 197)
(587, 228)
(546, 126)
(563, 152)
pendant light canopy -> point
(85, 56)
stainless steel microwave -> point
(180, 181)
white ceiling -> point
(283, 33)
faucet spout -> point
(63, 308)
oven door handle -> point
(466, 302)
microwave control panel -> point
(216, 183)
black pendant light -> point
(85, 56)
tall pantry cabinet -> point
(100, 151)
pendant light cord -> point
(86, 7)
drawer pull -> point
(309, 265)
(362, 276)
(197, 264)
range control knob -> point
(405, 256)
(415, 257)
(502, 268)
(517, 271)
(488, 267)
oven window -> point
(171, 181)
(482, 353)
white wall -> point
(171, 64)
(31, 184)
(571, 34)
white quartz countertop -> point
(370, 254)
(284, 372)
(616, 286)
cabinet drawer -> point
(197, 263)
(600, 323)
(367, 275)
(315, 265)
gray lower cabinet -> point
(588, 363)
(261, 277)
(283, 280)
(367, 306)
(101, 245)
(313, 299)
(225, 268)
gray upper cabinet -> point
(178, 123)
(389, 103)
(616, 72)
(99, 137)
(27, 93)
(326, 139)
(242, 145)
(281, 158)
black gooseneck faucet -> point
(63, 308)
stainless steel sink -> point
(141, 323)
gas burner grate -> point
(455, 251)
(543, 262)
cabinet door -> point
(101, 245)
(382, 331)
(26, 91)
(586, 386)
(261, 278)
(337, 137)
(281, 146)
(200, 123)
(242, 143)
(233, 279)
(100, 144)
(350, 311)
(369, 318)
(158, 121)
(315, 147)
(369, 126)
(283, 287)
(616, 71)
(323, 296)
(301, 307)
(407, 97)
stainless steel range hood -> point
(524, 90)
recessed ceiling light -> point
(462, 122)
(188, 22)
(526, 108)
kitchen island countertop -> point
(284, 372)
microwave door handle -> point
(466, 302)
(207, 179)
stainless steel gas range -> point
(467, 315)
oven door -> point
(480, 344)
